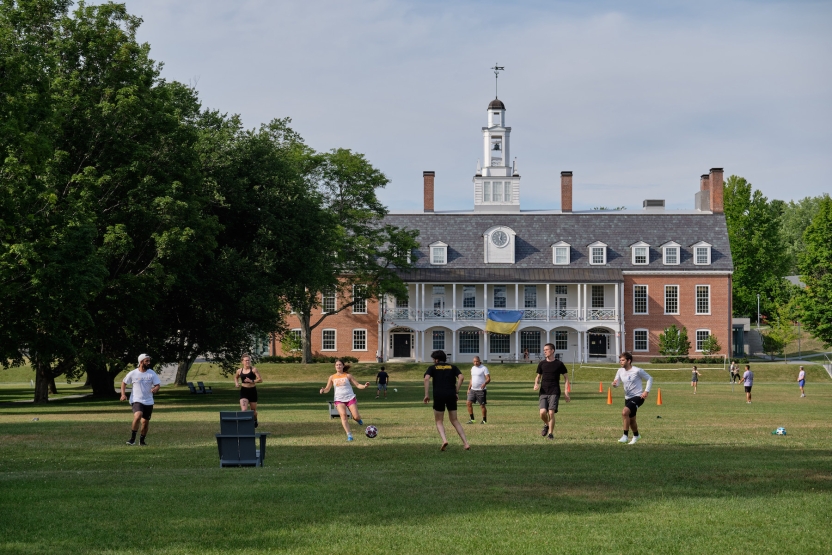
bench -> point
(203, 389)
(192, 388)
(237, 441)
(333, 412)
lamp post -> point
(758, 313)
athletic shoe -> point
(483, 422)
(471, 421)
(803, 395)
(142, 444)
(748, 402)
(360, 422)
(131, 442)
(349, 437)
(544, 431)
(624, 439)
(635, 439)
(550, 436)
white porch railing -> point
(400, 313)
(534, 314)
(573, 314)
(470, 314)
(595, 314)
(437, 314)
(479, 314)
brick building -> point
(593, 283)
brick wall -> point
(718, 321)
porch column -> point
(616, 303)
(454, 301)
(579, 300)
(517, 345)
(422, 309)
(516, 296)
(485, 345)
(547, 309)
(416, 304)
(617, 344)
(453, 344)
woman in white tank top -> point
(344, 395)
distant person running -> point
(748, 381)
(382, 379)
(694, 379)
(447, 379)
(344, 395)
(801, 381)
(145, 383)
(480, 377)
(246, 379)
(631, 376)
(547, 380)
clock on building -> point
(499, 238)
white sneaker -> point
(803, 395)
(623, 439)
(635, 439)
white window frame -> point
(646, 300)
(497, 187)
(438, 248)
(526, 290)
(698, 345)
(635, 248)
(486, 191)
(433, 340)
(672, 246)
(359, 330)
(334, 339)
(696, 299)
(677, 299)
(296, 332)
(463, 342)
(360, 305)
(695, 248)
(646, 340)
(333, 296)
(558, 343)
(564, 246)
(466, 289)
(597, 245)
(494, 296)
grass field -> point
(708, 475)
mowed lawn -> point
(707, 477)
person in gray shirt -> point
(748, 381)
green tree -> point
(795, 218)
(781, 330)
(673, 342)
(815, 300)
(711, 345)
(756, 248)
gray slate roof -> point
(555, 274)
(537, 232)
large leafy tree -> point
(815, 301)
(355, 251)
(795, 218)
(756, 247)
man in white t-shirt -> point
(631, 377)
(476, 389)
(145, 383)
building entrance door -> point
(597, 344)
(401, 345)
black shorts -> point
(633, 403)
(748, 389)
(441, 403)
(249, 393)
(146, 410)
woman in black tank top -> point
(245, 378)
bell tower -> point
(497, 182)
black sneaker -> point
(544, 431)
(142, 444)
(131, 442)
(550, 436)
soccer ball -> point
(371, 431)
(780, 431)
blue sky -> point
(636, 98)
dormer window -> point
(561, 253)
(641, 253)
(671, 255)
(598, 253)
(438, 253)
(701, 253)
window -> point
(469, 296)
(703, 299)
(639, 299)
(359, 340)
(671, 255)
(328, 340)
(507, 191)
(486, 191)
(439, 340)
(328, 300)
(438, 253)
(530, 296)
(701, 253)
(360, 306)
(671, 299)
(530, 341)
(438, 289)
(560, 289)
(597, 296)
(498, 191)
(560, 253)
(640, 340)
(641, 253)
(295, 338)
(597, 253)
(561, 340)
(500, 343)
(701, 337)
(402, 303)
(499, 296)
(469, 342)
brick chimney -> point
(429, 177)
(717, 187)
(566, 191)
(704, 184)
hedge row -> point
(297, 359)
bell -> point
(496, 146)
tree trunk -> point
(183, 368)
(43, 375)
(101, 379)
(52, 388)
(306, 337)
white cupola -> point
(497, 183)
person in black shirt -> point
(381, 382)
(547, 381)
(447, 379)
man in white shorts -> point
(145, 383)
(476, 389)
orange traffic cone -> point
(659, 400)
(600, 387)
(609, 396)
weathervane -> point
(497, 69)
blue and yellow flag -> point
(503, 321)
